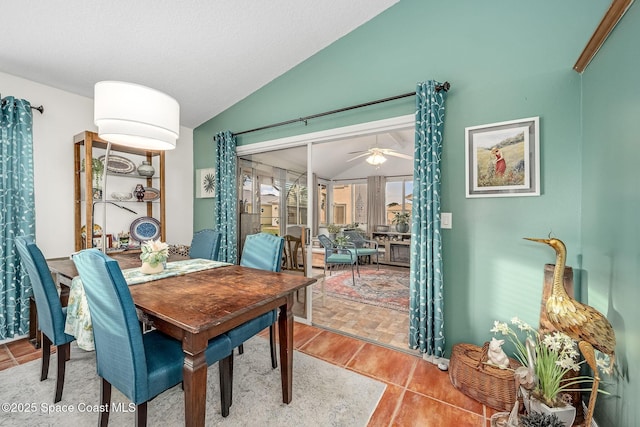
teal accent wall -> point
(505, 59)
(610, 229)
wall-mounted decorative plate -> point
(119, 164)
(145, 228)
(151, 194)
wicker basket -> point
(488, 384)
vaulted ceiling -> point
(208, 54)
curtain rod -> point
(444, 86)
(39, 108)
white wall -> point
(179, 181)
(65, 115)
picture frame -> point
(205, 183)
(503, 159)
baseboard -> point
(441, 362)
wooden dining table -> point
(198, 306)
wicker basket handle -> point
(484, 356)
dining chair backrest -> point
(120, 354)
(205, 244)
(50, 316)
(295, 231)
(263, 251)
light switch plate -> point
(445, 220)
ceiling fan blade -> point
(358, 152)
(402, 156)
(357, 157)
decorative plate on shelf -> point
(119, 164)
(150, 194)
(145, 228)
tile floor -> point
(380, 325)
(417, 393)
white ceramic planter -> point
(566, 414)
(147, 269)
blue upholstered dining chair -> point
(363, 247)
(205, 244)
(262, 251)
(51, 314)
(140, 365)
(334, 256)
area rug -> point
(323, 395)
(382, 288)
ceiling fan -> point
(376, 156)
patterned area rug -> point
(383, 288)
(323, 395)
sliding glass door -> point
(275, 198)
(340, 167)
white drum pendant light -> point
(136, 116)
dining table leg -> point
(285, 330)
(194, 374)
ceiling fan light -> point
(376, 159)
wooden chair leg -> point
(230, 396)
(224, 367)
(141, 415)
(105, 402)
(46, 354)
(272, 344)
(63, 353)
(241, 349)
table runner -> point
(78, 321)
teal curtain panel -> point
(17, 213)
(426, 317)
(226, 205)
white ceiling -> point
(208, 54)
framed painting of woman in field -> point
(503, 159)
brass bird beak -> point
(537, 240)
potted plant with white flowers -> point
(154, 255)
(546, 360)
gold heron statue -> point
(581, 322)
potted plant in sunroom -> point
(401, 220)
(333, 229)
(341, 243)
